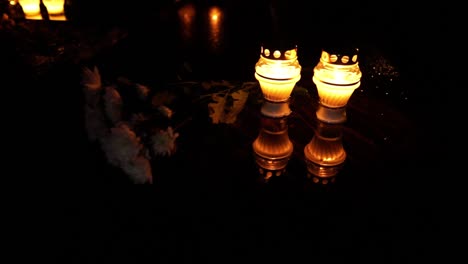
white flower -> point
(122, 146)
(163, 142)
(142, 91)
(95, 123)
(139, 170)
(113, 104)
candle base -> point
(33, 17)
(321, 171)
(275, 109)
(331, 115)
(59, 17)
(268, 167)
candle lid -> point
(340, 56)
(276, 50)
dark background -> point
(396, 220)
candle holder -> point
(272, 148)
(277, 72)
(325, 154)
(336, 76)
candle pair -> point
(32, 9)
(336, 76)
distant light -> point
(12, 2)
(215, 13)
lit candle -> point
(55, 9)
(278, 72)
(31, 9)
(336, 76)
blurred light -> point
(186, 16)
(215, 15)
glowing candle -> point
(31, 9)
(278, 72)
(336, 76)
(55, 9)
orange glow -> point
(12, 2)
(325, 153)
(58, 17)
(272, 147)
(215, 13)
(186, 15)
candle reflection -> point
(272, 148)
(186, 16)
(215, 17)
(325, 154)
